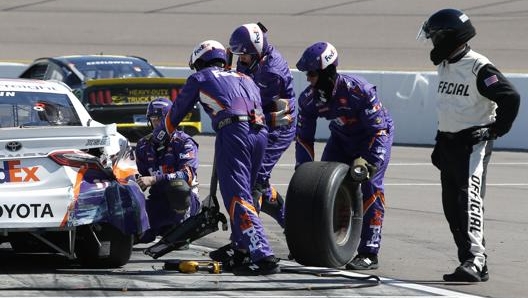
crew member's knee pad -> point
(178, 193)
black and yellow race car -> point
(114, 89)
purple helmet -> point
(207, 51)
(249, 39)
(317, 57)
(158, 107)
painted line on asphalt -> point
(288, 165)
(411, 184)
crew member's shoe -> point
(363, 262)
(265, 266)
(229, 256)
(468, 272)
(222, 254)
(484, 274)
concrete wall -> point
(409, 96)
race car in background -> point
(67, 182)
(114, 89)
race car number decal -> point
(12, 172)
(25, 210)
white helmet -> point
(207, 52)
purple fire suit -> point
(360, 127)
(179, 160)
(275, 81)
(232, 101)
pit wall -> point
(409, 96)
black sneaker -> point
(467, 272)
(229, 257)
(484, 274)
(363, 262)
(223, 254)
(265, 266)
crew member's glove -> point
(145, 181)
(483, 134)
(361, 170)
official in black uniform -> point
(475, 105)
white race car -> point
(67, 182)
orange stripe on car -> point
(76, 191)
(123, 174)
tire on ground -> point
(324, 214)
(108, 248)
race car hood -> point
(39, 141)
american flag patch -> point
(491, 80)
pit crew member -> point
(361, 130)
(270, 71)
(169, 169)
(232, 101)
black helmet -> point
(448, 29)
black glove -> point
(483, 134)
(361, 170)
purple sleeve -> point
(270, 87)
(140, 152)
(182, 104)
(187, 162)
(306, 127)
(374, 118)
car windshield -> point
(24, 109)
(115, 68)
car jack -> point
(195, 227)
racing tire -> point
(108, 248)
(324, 215)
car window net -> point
(25, 109)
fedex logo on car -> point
(11, 171)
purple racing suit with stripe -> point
(178, 159)
(232, 101)
(275, 81)
(359, 127)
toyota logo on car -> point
(13, 146)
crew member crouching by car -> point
(169, 169)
